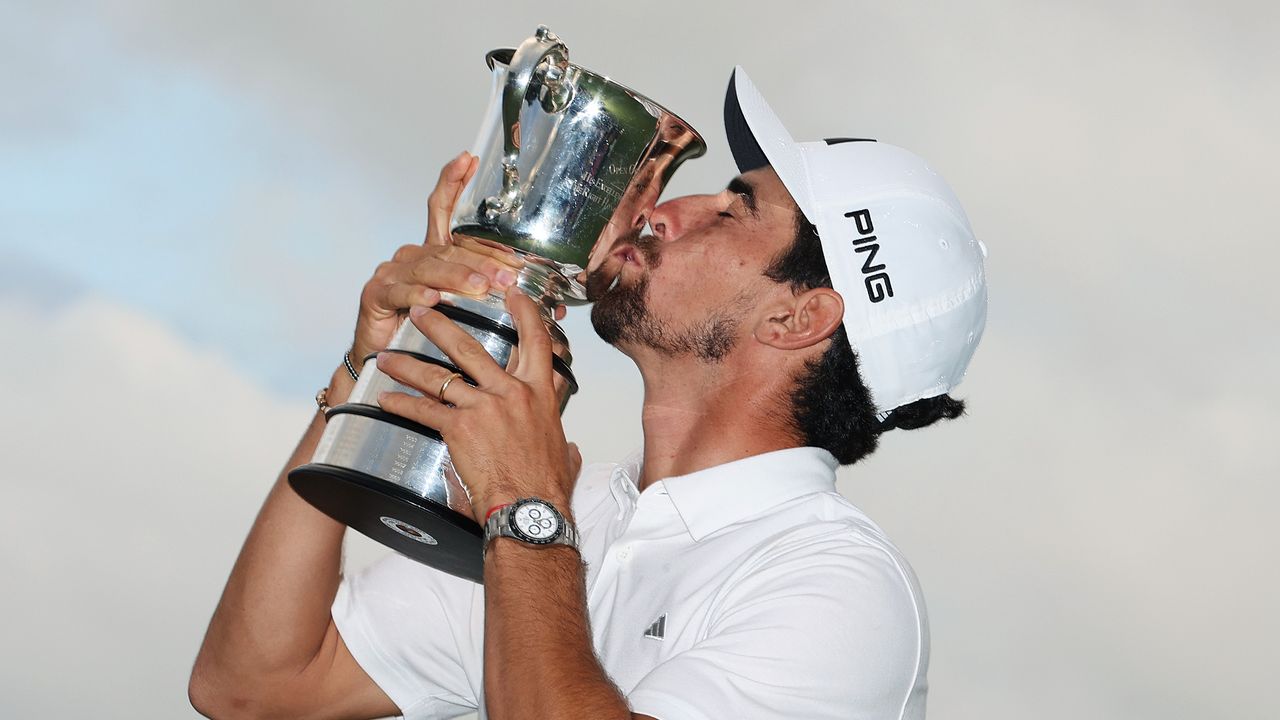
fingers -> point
(421, 410)
(442, 390)
(452, 269)
(465, 351)
(417, 278)
(401, 296)
(426, 378)
(453, 178)
(535, 340)
(494, 271)
(397, 288)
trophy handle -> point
(544, 48)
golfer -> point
(832, 292)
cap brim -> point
(746, 151)
(757, 138)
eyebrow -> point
(738, 186)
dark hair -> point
(832, 408)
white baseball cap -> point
(896, 241)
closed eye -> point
(745, 192)
(743, 198)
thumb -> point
(454, 176)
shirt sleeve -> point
(835, 634)
(417, 632)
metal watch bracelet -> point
(532, 521)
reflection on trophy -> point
(569, 163)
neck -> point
(698, 416)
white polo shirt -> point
(747, 590)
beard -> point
(621, 317)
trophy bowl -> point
(570, 161)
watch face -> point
(537, 522)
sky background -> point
(191, 197)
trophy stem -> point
(550, 284)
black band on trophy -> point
(379, 414)
(466, 317)
(429, 359)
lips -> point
(628, 253)
(602, 279)
(636, 252)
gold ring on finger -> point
(445, 385)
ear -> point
(808, 319)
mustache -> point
(648, 246)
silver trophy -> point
(570, 161)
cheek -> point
(699, 279)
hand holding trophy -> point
(569, 163)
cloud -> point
(134, 465)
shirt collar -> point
(623, 481)
(717, 497)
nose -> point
(674, 217)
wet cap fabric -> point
(897, 243)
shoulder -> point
(837, 580)
(829, 554)
(828, 525)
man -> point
(718, 574)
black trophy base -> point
(425, 531)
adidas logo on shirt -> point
(658, 629)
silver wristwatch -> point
(530, 520)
